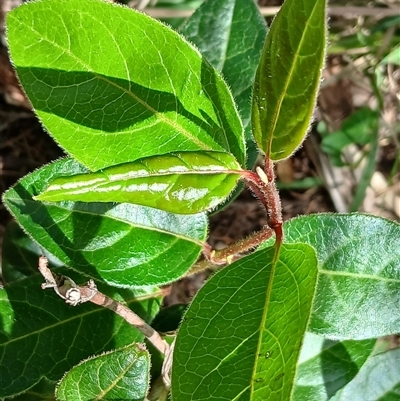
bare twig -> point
(73, 294)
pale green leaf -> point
(378, 380)
(179, 183)
(359, 273)
(325, 366)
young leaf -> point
(241, 336)
(288, 76)
(179, 183)
(113, 85)
(121, 374)
(325, 366)
(359, 273)
(378, 380)
(230, 34)
(39, 329)
(124, 245)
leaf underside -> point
(359, 273)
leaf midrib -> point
(358, 276)
(194, 240)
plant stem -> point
(230, 253)
(262, 184)
(73, 294)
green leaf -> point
(392, 58)
(113, 85)
(288, 77)
(121, 374)
(179, 183)
(325, 366)
(359, 273)
(358, 129)
(230, 35)
(20, 255)
(41, 336)
(378, 380)
(241, 336)
(169, 318)
(43, 391)
(123, 244)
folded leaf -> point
(113, 85)
(288, 77)
(121, 374)
(181, 183)
(121, 244)
(240, 338)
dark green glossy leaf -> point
(359, 273)
(20, 255)
(169, 318)
(41, 336)
(121, 374)
(124, 245)
(325, 366)
(113, 85)
(230, 34)
(178, 183)
(241, 336)
(288, 77)
(43, 391)
(378, 380)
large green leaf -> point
(288, 77)
(178, 183)
(230, 34)
(241, 336)
(113, 85)
(122, 244)
(325, 366)
(41, 336)
(121, 374)
(378, 380)
(42, 391)
(359, 273)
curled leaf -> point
(184, 183)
